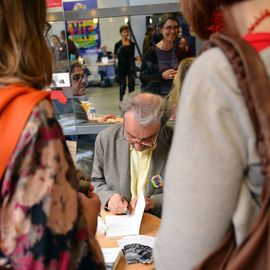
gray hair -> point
(148, 108)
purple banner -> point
(80, 5)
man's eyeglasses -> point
(171, 27)
(150, 141)
(77, 77)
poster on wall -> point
(84, 33)
(54, 3)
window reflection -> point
(91, 42)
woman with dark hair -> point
(124, 51)
(73, 53)
(214, 146)
(160, 62)
(45, 223)
(59, 48)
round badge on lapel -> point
(157, 181)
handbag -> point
(253, 80)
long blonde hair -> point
(24, 55)
(174, 94)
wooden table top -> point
(149, 226)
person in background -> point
(45, 222)
(184, 48)
(73, 53)
(76, 102)
(104, 53)
(74, 95)
(59, 49)
(214, 149)
(104, 57)
(148, 38)
(72, 104)
(174, 95)
(131, 156)
(157, 36)
(124, 51)
(160, 63)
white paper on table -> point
(126, 225)
(110, 254)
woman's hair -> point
(198, 14)
(174, 95)
(63, 35)
(57, 38)
(25, 57)
(148, 110)
(123, 28)
(165, 18)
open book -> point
(126, 225)
(112, 257)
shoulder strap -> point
(16, 104)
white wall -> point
(109, 35)
(120, 3)
(109, 31)
(138, 27)
(57, 27)
(151, 2)
(111, 3)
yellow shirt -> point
(139, 167)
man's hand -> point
(117, 204)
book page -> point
(126, 225)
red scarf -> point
(16, 105)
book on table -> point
(126, 224)
(112, 257)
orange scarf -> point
(16, 105)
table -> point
(85, 128)
(107, 68)
(149, 226)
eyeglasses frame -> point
(140, 140)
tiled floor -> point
(106, 99)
